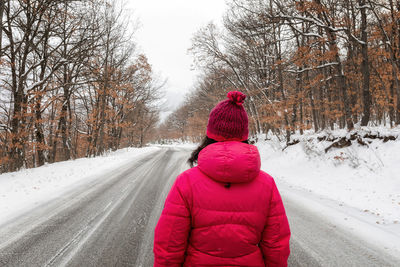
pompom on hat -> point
(228, 120)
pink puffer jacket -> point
(224, 212)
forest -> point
(305, 65)
(72, 82)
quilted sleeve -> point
(275, 239)
(172, 230)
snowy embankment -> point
(356, 186)
(26, 189)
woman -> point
(225, 211)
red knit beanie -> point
(228, 119)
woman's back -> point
(225, 211)
(234, 212)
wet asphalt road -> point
(110, 222)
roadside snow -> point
(24, 190)
(357, 186)
(176, 143)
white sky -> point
(164, 35)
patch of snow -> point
(176, 143)
(365, 179)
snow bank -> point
(362, 181)
(189, 146)
(176, 143)
(24, 190)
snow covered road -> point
(109, 221)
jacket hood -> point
(230, 162)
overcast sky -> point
(164, 35)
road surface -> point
(110, 222)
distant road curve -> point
(110, 222)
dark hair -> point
(205, 142)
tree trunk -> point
(63, 129)
(342, 84)
(365, 66)
(16, 160)
(51, 134)
(398, 65)
(41, 159)
(2, 3)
